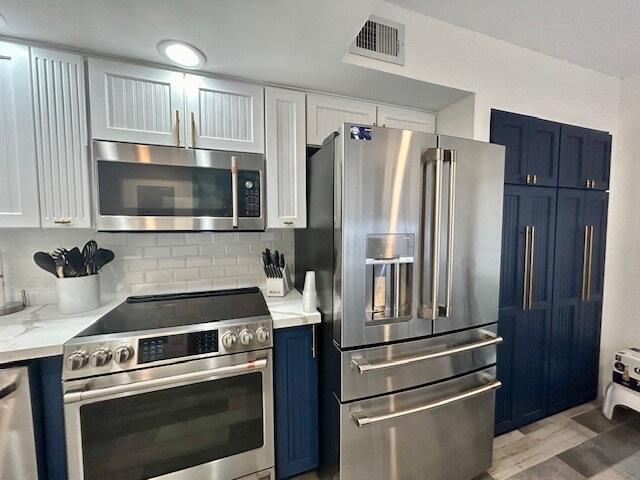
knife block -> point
(279, 287)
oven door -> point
(144, 187)
(209, 418)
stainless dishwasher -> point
(17, 439)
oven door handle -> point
(191, 377)
(363, 366)
(362, 419)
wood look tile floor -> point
(577, 444)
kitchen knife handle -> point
(234, 190)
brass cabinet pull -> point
(585, 254)
(593, 183)
(62, 221)
(588, 183)
(590, 268)
(535, 179)
(532, 255)
(193, 129)
(528, 179)
(178, 128)
(525, 286)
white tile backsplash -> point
(146, 262)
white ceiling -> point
(291, 42)
(603, 35)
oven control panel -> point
(174, 346)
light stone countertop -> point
(40, 331)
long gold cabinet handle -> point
(590, 274)
(527, 253)
(193, 129)
(532, 258)
(585, 256)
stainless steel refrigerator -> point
(404, 234)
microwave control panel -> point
(176, 346)
(249, 190)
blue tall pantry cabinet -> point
(525, 304)
(551, 280)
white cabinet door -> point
(18, 174)
(130, 103)
(61, 138)
(405, 118)
(285, 158)
(325, 114)
(225, 115)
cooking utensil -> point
(60, 257)
(88, 252)
(102, 257)
(45, 262)
(75, 259)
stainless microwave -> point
(154, 188)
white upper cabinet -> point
(224, 115)
(18, 173)
(61, 138)
(130, 103)
(325, 114)
(405, 118)
(285, 158)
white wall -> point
(512, 78)
(457, 119)
(621, 324)
(146, 262)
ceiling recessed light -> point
(182, 54)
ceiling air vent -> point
(380, 39)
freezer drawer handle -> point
(363, 366)
(362, 420)
(160, 382)
(8, 390)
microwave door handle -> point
(234, 190)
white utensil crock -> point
(78, 294)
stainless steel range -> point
(404, 235)
(172, 386)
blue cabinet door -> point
(543, 152)
(577, 297)
(296, 401)
(525, 305)
(585, 157)
(532, 148)
(599, 160)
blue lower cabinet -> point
(296, 401)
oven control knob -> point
(123, 354)
(263, 335)
(100, 357)
(229, 339)
(77, 360)
(246, 336)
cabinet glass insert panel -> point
(156, 433)
(143, 189)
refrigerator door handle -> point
(429, 310)
(362, 419)
(451, 157)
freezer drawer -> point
(440, 432)
(379, 370)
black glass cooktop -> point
(174, 310)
